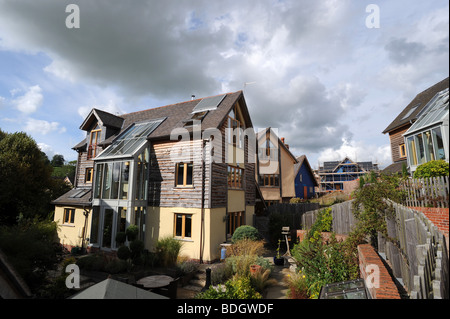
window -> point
(88, 175)
(69, 216)
(235, 125)
(235, 177)
(234, 220)
(438, 143)
(269, 180)
(183, 226)
(95, 223)
(402, 149)
(184, 174)
(112, 179)
(412, 150)
(94, 139)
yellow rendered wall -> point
(71, 234)
(160, 224)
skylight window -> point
(411, 110)
(129, 142)
(208, 104)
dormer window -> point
(93, 141)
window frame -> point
(234, 220)
(402, 150)
(92, 149)
(185, 174)
(89, 175)
(235, 177)
(183, 226)
(69, 216)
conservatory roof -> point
(434, 112)
(131, 140)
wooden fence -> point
(417, 253)
(343, 219)
(291, 215)
(427, 192)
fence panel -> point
(427, 192)
(417, 252)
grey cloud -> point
(403, 52)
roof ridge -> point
(179, 103)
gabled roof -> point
(262, 134)
(412, 110)
(176, 114)
(302, 160)
(105, 118)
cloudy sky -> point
(314, 69)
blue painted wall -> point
(307, 180)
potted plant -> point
(278, 260)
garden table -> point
(155, 281)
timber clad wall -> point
(162, 189)
(82, 164)
(396, 138)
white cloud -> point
(43, 127)
(358, 151)
(30, 101)
(47, 149)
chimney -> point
(192, 97)
(282, 140)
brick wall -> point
(386, 288)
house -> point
(428, 138)
(340, 175)
(275, 168)
(398, 127)
(305, 180)
(185, 170)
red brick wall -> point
(386, 288)
(438, 216)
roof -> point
(75, 197)
(261, 135)
(107, 119)
(436, 111)
(332, 166)
(412, 110)
(176, 114)
(113, 289)
(303, 160)
(394, 168)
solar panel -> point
(208, 104)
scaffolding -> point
(333, 174)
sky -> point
(329, 75)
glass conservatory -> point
(120, 185)
(427, 139)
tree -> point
(25, 178)
(57, 160)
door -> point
(305, 192)
(108, 218)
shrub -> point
(297, 286)
(322, 224)
(123, 253)
(116, 266)
(167, 250)
(235, 288)
(92, 262)
(121, 238)
(245, 232)
(432, 169)
(246, 247)
(132, 232)
(260, 280)
(136, 247)
(188, 266)
(221, 273)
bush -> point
(187, 267)
(167, 250)
(132, 232)
(92, 262)
(136, 247)
(297, 286)
(116, 266)
(245, 232)
(121, 238)
(432, 169)
(235, 288)
(221, 273)
(123, 253)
